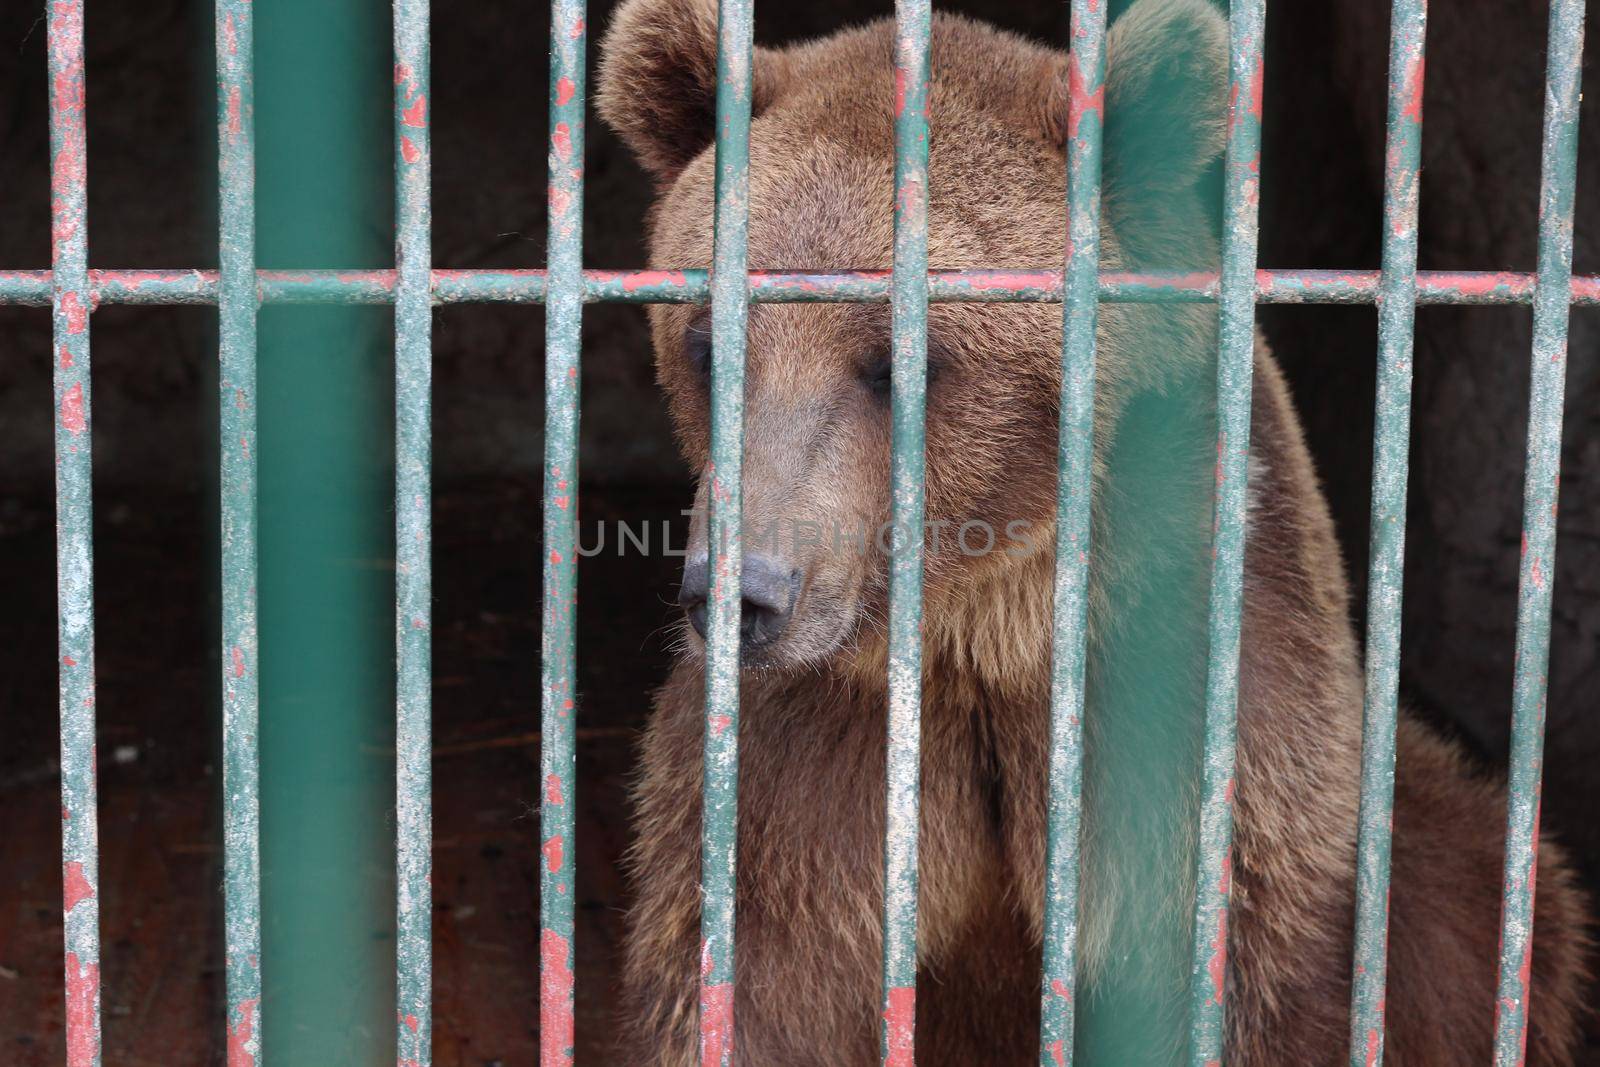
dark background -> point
(151, 204)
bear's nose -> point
(767, 586)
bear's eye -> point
(697, 347)
(877, 371)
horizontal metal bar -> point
(31, 288)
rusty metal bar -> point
(1074, 463)
(31, 288)
(908, 406)
(237, 301)
(730, 310)
(413, 534)
(1396, 318)
(558, 708)
(1235, 363)
(70, 305)
(1541, 481)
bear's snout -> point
(768, 588)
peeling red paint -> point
(1058, 1054)
(238, 661)
(899, 92)
(1217, 967)
(555, 558)
(552, 850)
(408, 150)
(68, 661)
(416, 115)
(411, 1023)
(900, 1035)
(720, 723)
(240, 1033)
(641, 278)
(1079, 100)
(72, 418)
(1413, 108)
(75, 888)
(564, 91)
(561, 141)
(716, 1024)
(555, 1000)
(552, 789)
(402, 73)
(72, 307)
(1059, 988)
(234, 120)
(1374, 1044)
(83, 1012)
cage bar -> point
(558, 706)
(1541, 481)
(413, 533)
(908, 303)
(31, 288)
(1235, 363)
(1074, 459)
(1396, 318)
(730, 310)
(70, 304)
(236, 316)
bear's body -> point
(813, 701)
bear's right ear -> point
(658, 80)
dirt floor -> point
(160, 813)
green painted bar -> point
(240, 659)
(413, 533)
(31, 288)
(1235, 361)
(1541, 482)
(70, 305)
(1391, 442)
(324, 139)
(1074, 458)
(908, 407)
(558, 708)
(730, 310)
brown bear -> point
(813, 691)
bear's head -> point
(817, 426)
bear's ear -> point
(1165, 102)
(658, 80)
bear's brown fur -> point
(812, 734)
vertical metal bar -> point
(70, 306)
(1236, 345)
(237, 301)
(1086, 67)
(909, 310)
(730, 312)
(1551, 294)
(563, 320)
(1397, 297)
(413, 531)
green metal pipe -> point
(326, 378)
(1235, 363)
(1397, 296)
(908, 406)
(31, 288)
(730, 311)
(70, 305)
(240, 654)
(413, 537)
(1541, 481)
(558, 708)
(1074, 461)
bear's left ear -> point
(1166, 95)
(658, 80)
